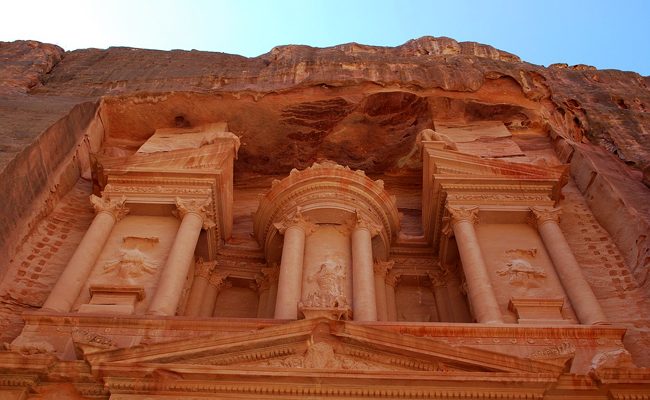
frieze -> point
(496, 196)
(562, 349)
(156, 190)
(84, 336)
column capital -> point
(198, 207)
(272, 273)
(438, 278)
(543, 215)
(115, 207)
(381, 268)
(393, 278)
(297, 220)
(361, 221)
(462, 213)
(203, 269)
(218, 280)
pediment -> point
(316, 345)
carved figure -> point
(132, 264)
(330, 277)
(522, 273)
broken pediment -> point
(313, 344)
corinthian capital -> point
(203, 269)
(198, 207)
(393, 278)
(462, 213)
(544, 215)
(298, 220)
(218, 280)
(381, 268)
(115, 207)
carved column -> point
(194, 216)
(272, 276)
(199, 285)
(75, 275)
(481, 292)
(439, 280)
(457, 300)
(263, 295)
(217, 284)
(381, 270)
(392, 280)
(295, 229)
(575, 285)
(363, 286)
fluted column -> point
(195, 300)
(392, 280)
(295, 229)
(486, 307)
(194, 216)
(67, 288)
(381, 270)
(583, 300)
(363, 283)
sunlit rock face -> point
(361, 111)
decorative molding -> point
(198, 207)
(157, 190)
(496, 197)
(553, 351)
(298, 220)
(115, 207)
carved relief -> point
(198, 207)
(114, 207)
(297, 220)
(321, 356)
(330, 277)
(156, 189)
(522, 273)
(553, 351)
(134, 262)
(270, 275)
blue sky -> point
(606, 34)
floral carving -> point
(203, 269)
(115, 207)
(393, 278)
(522, 273)
(218, 280)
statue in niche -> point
(330, 277)
(522, 273)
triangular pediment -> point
(317, 344)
